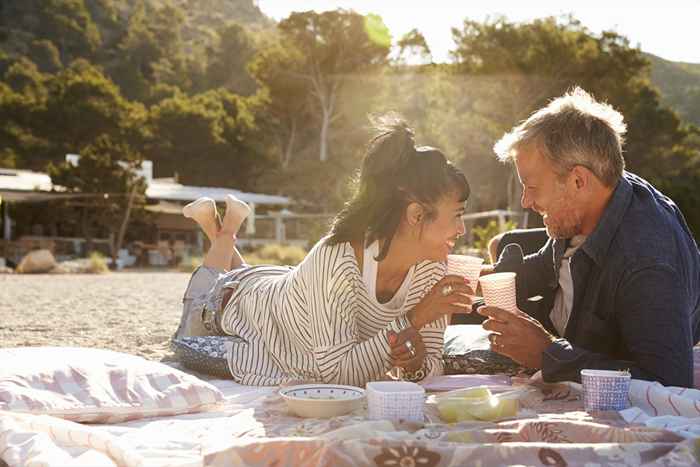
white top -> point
(564, 296)
(318, 321)
(370, 267)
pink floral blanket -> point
(254, 428)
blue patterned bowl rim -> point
(351, 392)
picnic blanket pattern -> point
(254, 427)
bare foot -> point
(236, 212)
(203, 211)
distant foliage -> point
(679, 84)
(275, 253)
(189, 263)
(216, 93)
(483, 235)
(98, 263)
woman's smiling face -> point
(439, 234)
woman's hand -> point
(452, 294)
(407, 349)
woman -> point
(370, 296)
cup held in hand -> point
(465, 266)
(498, 290)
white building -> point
(165, 197)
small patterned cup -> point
(465, 266)
(395, 400)
(605, 389)
(499, 290)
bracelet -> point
(417, 375)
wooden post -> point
(250, 222)
(279, 227)
(6, 221)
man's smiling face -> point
(548, 194)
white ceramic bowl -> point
(322, 400)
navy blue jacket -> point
(636, 291)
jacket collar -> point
(598, 242)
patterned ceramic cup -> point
(465, 266)
(499, 290)
(605, 389)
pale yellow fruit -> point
(476, 404)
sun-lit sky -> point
(667, 28)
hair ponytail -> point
(394, 173)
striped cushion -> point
(94, 385)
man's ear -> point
(415, 214)
(582, 177)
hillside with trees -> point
(679, 84)
(216, 93)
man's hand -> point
(407, 349)
(517, 335)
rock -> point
(59, 269)
(37, 261)
(75, 266)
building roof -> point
(25, 185)
(24, 180)
(166, 189)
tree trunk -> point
(289, 149)
(325, 124)
(87, 232)
(117, 244)
(326, 96)
(327, 108)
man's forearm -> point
(562, 361)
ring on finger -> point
(446, 290)
(411, 349)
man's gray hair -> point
(572, 130)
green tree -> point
(106, 175)
(288, 113)
(83, 105)
(45, 54)
(150, 51)
(205, 139)
(413, 47)
(335, 47)
(22, 98)
(65, 23)
(530, 63)
(228, 61)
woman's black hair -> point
(395, 173)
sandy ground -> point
(133, 312)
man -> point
(620, 262)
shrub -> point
(98, 263)
(189, 263)
(482, 235)
(276, 253)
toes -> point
(237, 207)
(205, 206)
